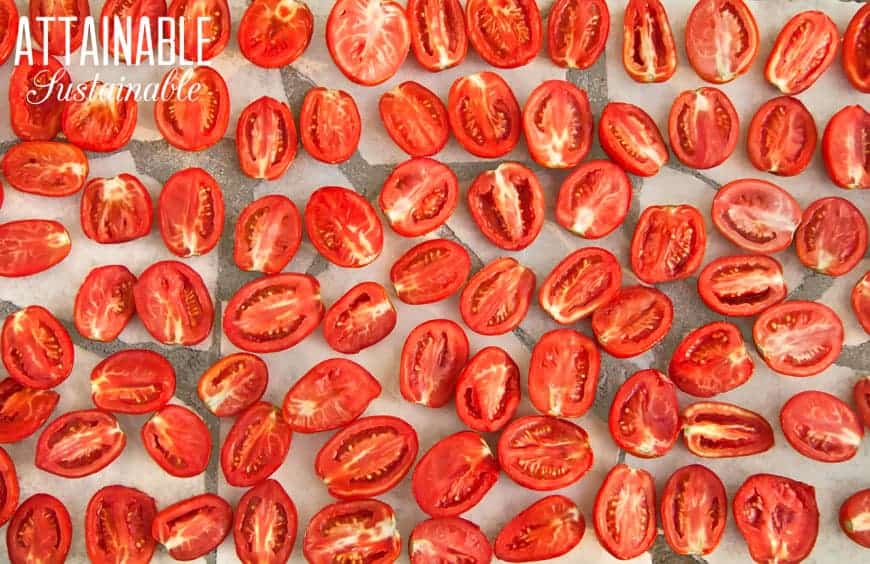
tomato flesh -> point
(711, 360)
(193, 119)
(821, 426)
(488, 390)
(116, 209)
(193, 527)
(442, 538)
(804, 49)
(37, 350)
(507, 204)
(190, 212)
(268, 234)
(484, 114)
(721, 39)
(79, 443)
(756, 215)
(45, 168)
(624, 514)
(266, 138)
(8, 28)
(264, 526)
(844, 149)
(632, 139)
(352, 531)
(854, 513)
(832, 236)
(9, 490)
(118, 523)
(430, 271)
(563, 373)
(557, 122)
(649, 53)
(23, 410)
(415, 118)
(862, 399)
(56, 31)
(694, 510)
(132, 381)
(439, 39)
(233, 383)
(173, 303)
(274, 33)
(584, 281)
(362, 317)
(419, 196)
(104, 303)
(137, 11)
(548, 528)
(856, 50)
(703, 127)
(577, 32)
(104, 121)
(36, 117)
(742, 285)
(214, 16)
(644, 415)
(497, 297)
(782, 137)
(633, 322)
(329, 125)
(721, 430)
(505, 34)
(433, 356)
(178, 440)
(256, 445)
(668, 243)
(343, 227)
(861, 301)
(40, 531)
(798, 338)
(594, 199)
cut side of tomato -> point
(353, 531)
(419, 196)
(507, 204)
(798, 338)
(821, 426)
(862, 399)
(104, 303)
(430, 272)
(756, 215)
(266, 138)
(35, 102)
(45, 168)
(190, 212)
(506, 34)
(264, 526)
(63, 37)
(37, 350)
(23, 410)
(721, 39)
(703, 127)
(268, 234)
(40, 531)
(577, 32)
(497, 298)
(632, 139)
(581, 283)
(433, 356)
(742, 285)
(443, 538)
(711, 360)
(563, 373)
(853, 517)
(104, 121)
(548, 528)
(132, 381)
(624, 514)
(362, 317)
(557, 122)
(843, 148)
(861, 301)
(668, 243)
(782, 137)
(211, 16)
(438, 36)
(488, 390)
(173, 303)
(714, 429)
(80, 443)
(256, 445)
(329, 125)
(804, 49)
(644, 415)
(178, 440)
(193, 527)
(274, 33)
(832, 236)
(9, 490)
(484, 114)
(195, 118)
(8, 28)
(694, 510)
(633, 322)
(415, 118)
(116, 209)
(594, 199)
(343, 227)
(118, 523)
(138, 12)
(856, 50)
(233, 383)
(649, 53)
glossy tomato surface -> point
(782, 137)
(8, 29)
(55, 30)
(742, 285)
(577, 32)
(267, 236)
(233, 383)
(178, 440)
(212, 16)
(594, 199)
(36, 117)
(79, 443)
(853, 513)
(173, 303)
(711, 360)
(861, 301)
(137, 11)
(132, 381)
(804, 49)
(821, 426)
(557, 122)
(116, 209)
(419, 196)
(563, 373)
(581, 283)
(649, 53)
(861, 395)
(433, 356)
(624, 514)
(256, 445)
(329, 125)
(353, 531)
(439, 39)
(633, 322)
(195, 118)
(36, 348)
(442, 538)
(484, 114)
(507, 204)
(694, 510)
(266, 138)
(714, 429)
(190, 212)
(856, 49)
(632, 139)
(362, 317)
(430, 272)
(505, 34)
(832, 236)
(118, 523)
(550, 527)
(45, 168)
(703, 127)
(264, 525)
(274, 33)
(721, 39)
(843, 150)
(415, 119)
(193, 527)
(104, 303)
(798, 338)
(343, 227)
(23, 410)
(756, 215)
(668, 243)
(488, 390)
(40, 531)
(497, 297)
(104, 121)
(644, 415)
(8, 487)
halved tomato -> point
(548, 528)
(633, 322)
(711, 360)
(668, 243)
(804, 49)
(45, 168)
(632, 139)
(742, 285)
(190, 212)
(343, 227)
(832, 236)
(433, 356)
(594, 199)
(756, 215)
(419, 196)
(80, 443)
(415, 119)
(777, 516)
(37, 350)
(442, 538)
(264, 526)
(268, 234)
(782, 137)
(484, 114)
(104, 303)
(703, 127)
(178, 440)
(861, 301)
(173, 303)
(233, 383)
(563, 373)
(104, 121)
(577, 32)
(821, 426)
(62, 23)
(8, 487)
(721, 39)
(329, 396)
(862, 398)
(353, 531)
(194, 118)
(713, 429)
(35, 96)
(497, 298)
(430, 272)
(856, 49)
(132, 381)
(644, 415)
(362, 317)
(843, 148)
(23, 410)
(8, 28)
(507, 204)
(557, 122)
(266, 138)
(649, 53)
(488, 390)
(114, 33)
(367, 458)
(118, 523)
(40, 531)
(694, 510)
(624, 514)
(116, 209)
(454, 475)
(544, 453)
(329, 125)
(256, 445)
(853, 517)
(212, 17)
(193, 527)
(505, 34)
(274, 33)
(368, 39)
(798, 338)
(438, 36)
(581, 283)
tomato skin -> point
(193, 527)
(855, 50)
(118, 523)
(484, 114)
(742, 285)
(845, 158)
(694, 510)
(216, 26)
(742, 209)
(37, 350)
(594, 199)
(668, 243)
(435, 540)
(430, 272)
(46, 514)
(41, 121)
(266, 138)
(557, 123)
(713, 429)
(137, 11)
(782, 137)
(487, 291)
(415, 119)
(703, 127)
(80, 443)
(329, 125)
(8, 487)
(611, 321)
(353, 531)
(710, 26)
(821, 426)
(271, 38)
(132, 381)
(362, 317)
(172, 291)
(852, 511)
(105, 121)
(267, 236)
(488, 390)
(116, 209)
(256, 445)
(264, 526)
(644, 416)
(803, 51)
(23, 410)
(582, 282)
(563, 373)
(501, 43)
(633, 491)
(711, 360)
(190, 213)
(8, 28)
(439, 39)
(800, 354)
(860, 299)
(419, 196)
(632, 139)
(57, 34)
(205, 116)
(343, 227)
(507, 204)
(577, 32)
(832, 236)
(45, 168)
(862, 399)
(433, 356)
(232, 384)
(178, 440)
(550, 527)
(104, 303)
(649, 53)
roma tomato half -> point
(45, 168)
(329, 125)
(649, 53)
(264, 526)
(433, 356)
(267, 236)
(211, 16)
(46, 514)
(343, 227)
(507, 204)
(132, 381)
(8, 487)
(23, 410)
(782, 137)
(550, 527)
(415, 119)
(118, 523)
(856, 49)
(821, 426)
(430, 272)
(256, 445)
(439, 39)
(721, 39)
(442, 538)
(713, 429)
(36, 117)
(644, 416)
(861, 301)
(694, 510)
(742, 285)
(506, 34)
(711, 360)
(80, 443)
(173, 303)
(756, 215)
(195, 118)
(497, 297)
(190, 212)
(178, 440)
(862, 399)
(703, 127)
(8, 28)
(104, 121)
(577, 32)
(668, 243)
(36, 348)
(137, 11)
(624, 514)
(632, 139)
(274, 33)
(563, 373)
(362, 317)
(116, 209)
(852, 517)
(57, 31)
(193, 527)
(557, 122)
(804, 49)
(633, 322)
(594, 199)
(484, 114)
(353, 531)
(581, 283)
(233, 383)
(488, 390)
(832, 236)
(104, 303)
(266, 139)
(843, 150)
(419, 196)
(798, 338)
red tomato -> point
(644, 415)
(861, 301)
(856, 50)
(104, 303)
(713, 429)
(454, 475)
(329, 396)
(438, 36)
(694, 510)
(46, 168)
(233, 383)
(36, 116)
(756, 215)
(484, 114)
(584, 281)
(433, 356)
(798, 338)
(649, 53)
(804, 49)
(8, 28)
(329, 125)
(368, 39)
(213, 16)
(23, 410)
(266, 138)
(194, 526)
(274, 33)
(59, 32)
(832, 236)
(843, 148)
(782, 137)
(430, 272)
(711, 360)
(505, 34)
(507, 204)
(80, 443)
(624, 514)
(256, 445)
(343, 227)
(488, 390)
(116, 209)
(353, 531)
(8, 487)
(268, 234)
(633, 322)
(173, 303)
(138, 11)
(190, 212)
(118, 523)
(193, 119)
(703, 127)
(264, 527)
(742, 285)
(438, 540)
(577, 32)
(419, 196)
(32, 245)
(178, 440)
(821, 426)
(721, 39)
(415, 119)
(668, 243)
(37, 350)
(367, 458)
(632, 139)
(563, 373)
(550, 527)
(362, 317)
(544, 453)
(50, 545)
(594, 199)
(557, 122)
(104, 121)
(132, 381)
(777, 516)
(853, 516)
(497, 298)
(862, 399)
